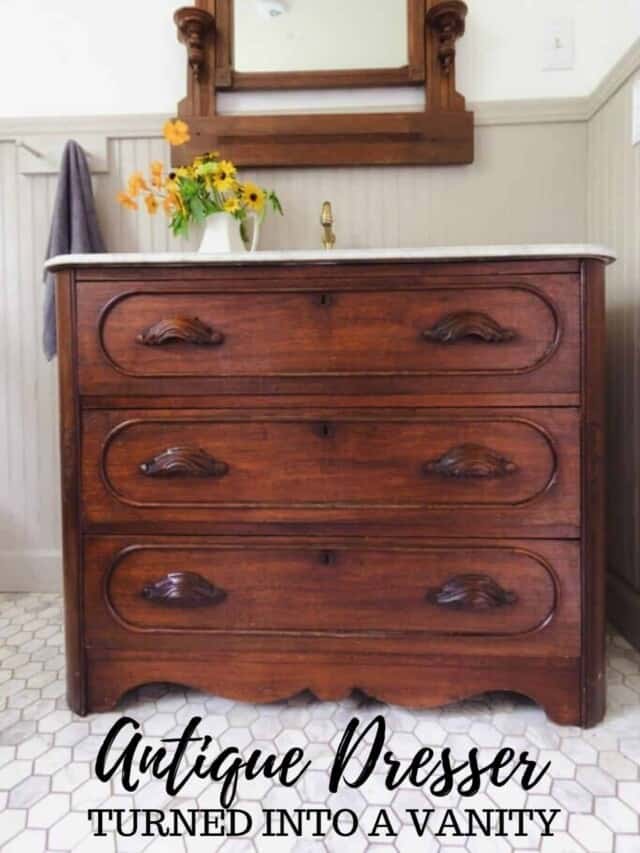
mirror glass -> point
(319, 35)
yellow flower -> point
(232, 204)
(253, 196)
(151, 203)
(224, 176)
(185, 171)
(176, 132)
(136, 184)
(157, 172)
(126, 201)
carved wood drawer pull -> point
(472, 461)
(184, 462)
(471, 592)
(188, 330)
(184, 589)
(468, 324)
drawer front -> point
(497, 466)
(455, 591)
(506, 334)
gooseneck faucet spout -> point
(327, 221)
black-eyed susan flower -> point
(224, 176)
(232, 204)
(253, 197)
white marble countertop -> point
(432, 253)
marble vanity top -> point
(443, 253)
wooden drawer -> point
(400, 334)
(471, 469)
(451, 591)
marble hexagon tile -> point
(46, 782)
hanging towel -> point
(74, 228)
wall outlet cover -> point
(558, 45)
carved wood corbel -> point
(197, 31)
(448, 21)
(193, 26)
(445, 23)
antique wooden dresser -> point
(363, 470)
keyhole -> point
(327, 558)
(324, 299)
(324, 429)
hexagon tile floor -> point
(46, 783)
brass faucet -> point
(327, 221)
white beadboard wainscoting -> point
(531, 182)
(614, 216)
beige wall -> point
(614, 218)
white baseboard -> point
(30, 571)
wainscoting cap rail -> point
(42, 154)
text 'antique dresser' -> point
(292, 471)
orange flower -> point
(157, 171)
(176, 132)
(126, 201)
(151, 203)
(171, 204)
(136, 184)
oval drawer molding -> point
(414, 337)
(471, 592)
(183, 589)
(471, 461)
(184, 462)
(373, 467)
(362, 589)
(474, 325)
(188, 330)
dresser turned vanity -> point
(374, 470)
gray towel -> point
(74, 228)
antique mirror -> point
(259, 45)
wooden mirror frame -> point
(441, 134)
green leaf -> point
(188, 188)
(275, 203)
(179, 224)
(211, 206)
(198, 209)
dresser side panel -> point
(593, 493)
(70, 452)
